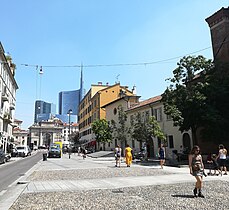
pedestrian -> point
(118, 151)
(84, 153)
(214, 165)
(79, 150)
(222, 156)
(128, 155)
(69, 152)
(196, 167)
(161, 154)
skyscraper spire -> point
(81, 82)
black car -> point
(3, 157)
(54, 151)
(14, 152)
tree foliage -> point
(185, 100)
(146, 127)
(120, 129)
(217, 112)
(102, 131)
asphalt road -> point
(11, 171)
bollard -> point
(44, 156)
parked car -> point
(14, 152)
(23, 151)
(35, 147)
(2, 156)
(54, 151)
(42, 147)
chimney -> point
(134, 90)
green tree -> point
(185, 100)
(102, 131)
(217, 114)
(120, 129)
(146, 127)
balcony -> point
(7, 118)
(5, 97)
(12, 106)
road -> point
(11, 171)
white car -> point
(23, 151)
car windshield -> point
(54, 148)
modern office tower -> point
(70, 100)
(219, 26)
(43, 110)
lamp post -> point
(69, 128)
(69, 123)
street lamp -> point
(69, 119)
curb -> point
(14, 190)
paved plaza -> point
(95, 183)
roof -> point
(146, 102)
(16, 120)
(218, 16)
(118, 99)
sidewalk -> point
(168, 175)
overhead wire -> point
(117, 64)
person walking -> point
(161, 154)
(79, 151)
(196, 167)
(84, 153)
(128, 155)
(118, 151)
(69, 152)
(222, 156)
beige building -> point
(8, 87)
(46, 133)
(21, 137)
(150, 107)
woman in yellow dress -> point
(128, 155)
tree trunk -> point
(194, 136)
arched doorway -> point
(186, 142)
(47, 139)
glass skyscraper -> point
(70, 100)
(43, 110)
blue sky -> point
(71, 32)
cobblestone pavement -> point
(95, 173)
(170, 189)
(161, 197)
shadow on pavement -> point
(183, 196)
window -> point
(168, 117)
(115, 111)
(170, 140)
(158, 114)
(147, 115)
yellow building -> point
(91, 109)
